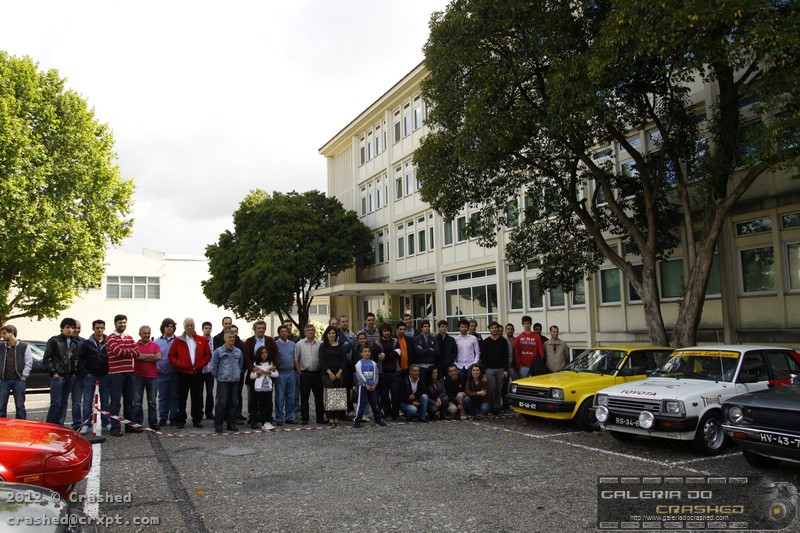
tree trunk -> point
(691, 310)
(652, 307)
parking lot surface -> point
(496, 474)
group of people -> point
(383, 369)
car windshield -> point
(710, 366)
(598, 361)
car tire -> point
(760, 461)
(585, 419)
(623, 437)
(710, 438)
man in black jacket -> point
(60, 361)
(93, 366)
(413, 397)
(448, 350)
(16, 362)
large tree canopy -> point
(530, 97)
(282, 247)
(62, 199)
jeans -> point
(209, 379)
(263, 406)
(412, 410)
(226, 403)
(16, 387)
(167, 397)
(311, 381)
(495, 377)
(285, 389)
(524, 371)
(142, 384)
(122, 395)
(389, 384)
(60, 388)
(471, 406)
(367, 398)
(88, 397)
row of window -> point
(375, 192)
(133, 288)
(407, 118)
(415, 236)
(478, 302)
(757, 267)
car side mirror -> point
(625, 372)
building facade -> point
(147, 288)
(431, 268)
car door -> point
(753, 373)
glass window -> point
(448, 232)
(515, 295)
(609, 286)
(750, 227)
(421, 240)
(714, 287)
(758, 269)
(133, 287)
(406, 120)
(417, 113)
(671, 278)
(512, 214)
(790, 220)
(397, 135)
(633, 296)
(461, 224)
(411, 244)
(401, 247)
(535, 294)
(430, 238)
(579, 294)
(557, 297)
(793, 264)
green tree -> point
(283, 246)
(62, 199)
(530, 96)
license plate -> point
(526, 405)
(626, 421)
(780, 440)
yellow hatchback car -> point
(569, 394)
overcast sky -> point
(208, 100)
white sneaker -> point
(267, 426)
(84, 430)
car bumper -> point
(664, 427)
(535, 406)
(776, 444)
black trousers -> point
(209, 382)
(190, 383)
(263, 401)
(311, 382)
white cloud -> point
(208, 100)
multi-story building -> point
(431, 268)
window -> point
(671, 278)
(133, 287)
(378, 140)
(362, 151)
(448, 232)
(378, 194)
(758, 269)
(409, 174)
(633, 296)
(461, 227)
(430, 237)
(714, 288)
(478, 302)
(535, 294)
(417, 112)
(363, 201)
(512, 214)
(421, 240)
(369, 146)
(411, 244)
(609, 286)
(370, 198)
(406, 120)
(751, 227)
(475, 222)
(397, 135)
(557, 297)
(515, 295)
(401, 246)
(634, 140)
(321, 309)
(793, 265)
(790, 220)
(579, 294)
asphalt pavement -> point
(496, 475)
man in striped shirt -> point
(121, 352)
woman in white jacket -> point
(266, 370)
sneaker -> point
(198, 425)
(351, 414)
(232, 427)
(84, 430)
(116, 432)
(380, 423)
(267, 426)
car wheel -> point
(759, 461)
(585, 418)
(710, 438)
(619, 435)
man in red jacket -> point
(189, 353)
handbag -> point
(336, 399)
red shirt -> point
(526, 347)
(146, 369)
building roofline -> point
(413, 72)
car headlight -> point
(513, 387)
(646, 419)
(736, 414)
(557, 394)
(601, 399)
(674, 407)
(601, 413)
